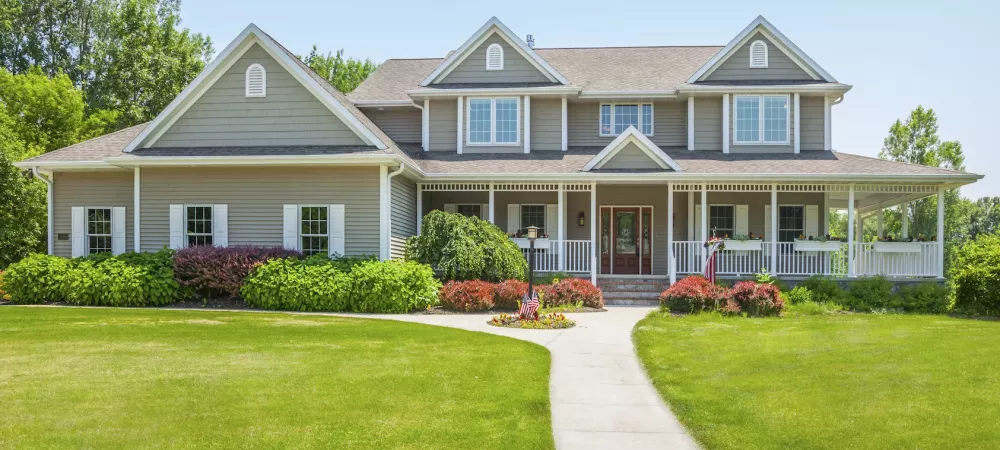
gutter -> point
(50, 206)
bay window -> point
(760, 119)
(615, 118)
(493, 121)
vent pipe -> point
(531, 40)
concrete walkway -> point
(601, 397)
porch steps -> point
(632, 291)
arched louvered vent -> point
(256, 81)
(494, 57)
(758, 54)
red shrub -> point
(508, 293)
(694, 294)
(221, 270)
(570, 291)
(467, 296)
(758, 299)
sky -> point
(940, 54)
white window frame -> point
(488, 50)
(302, 236)
(801, 230)
(652, 117)
(211, 227)
(727, 205)
(766, 54)
(263, 81)
(493, 123)
(545, 219)
(760, 120)
(86, 228)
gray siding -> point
(403, 214)
(546, 124)
(97, 189)
(779, 65)
(630, 157)
(256, 196)
(708, 123)
(516, 69)
(812, 125)
(443, 125)
(669, 124)
(288, 115)
(759, 148)
(402, 124)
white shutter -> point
(484, 212)
(79, 229)
(697, 224)
(552, 220)
(513, 218)
(450, 208)
(812, 221)
(767, 223)
(220, 225)
(176, 227)
(290, 233)
(742, 220)
(118, 230)
(337, 231)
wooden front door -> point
(626, 240)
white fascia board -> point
(777, 37)
(668, 93)
(953, 181)
(493, 26)
(382, 103)
(832, 88)
(547, 90)
(147, 161)
(632, 135)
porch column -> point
(704, 222)
(940, 232)
(460, 122)
(880, 220)
(905, 214)
(690, 215)
(492, 204)
(725, 123)
(420, 206)
(850, 232)
(561, 202)
(774, 229)
(671, 267)
(593, 233)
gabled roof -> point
(336, 102)
(632, 135)
(777, 38)
(488, 29)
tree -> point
(985, 217)
(22, 201)
(345, 75)
(466, 248)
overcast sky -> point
(897, 55)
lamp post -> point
(532, 235)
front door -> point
(626, 240)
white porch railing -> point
(562, 256)
(911, 264)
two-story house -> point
(625, 158)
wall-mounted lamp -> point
(582, 219)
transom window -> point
(199, 225)
(98, 230)
(761, 119)
(470, 210)
(533, 216)
(315, 231)
(615, 118)
(494, 121)
(722, 220)
(791, 222)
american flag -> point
(713, 249)
(529, 308)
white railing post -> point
(940, 233)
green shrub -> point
(392, 287)
(824, 289)
(926, 298)
(466, 248)
(868, 294)
(342, 263)
(765, 277)
(110, 282)
(290, 284)
(550, 277)
(799, 294)
(38, 278)
(976, 275)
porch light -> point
(532, 233)
(582, 219)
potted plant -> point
(825, 243)
(743, 242)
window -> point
(199, 225)
(758, 55)
(98, 230)
(494, 57)
(315, 230)
(471, 210)
(616, 118)
(761, 119)
(256, 81)
(791, 222)
(493, 121)
(722, 220)
(533, 216)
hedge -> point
(214, 271)
(38, 278)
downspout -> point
(49, 219)
(388, 208)
(424, 140)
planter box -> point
(540, 243)
(802, 245)
(740, 246)
(899, 247)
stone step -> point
(636, 295)
(632, 288)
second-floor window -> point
(494, 121)
(760, 119)
(617, 117)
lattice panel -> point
(896, 189)
(536, 187)
(585, 187)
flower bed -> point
(553, 321)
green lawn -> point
(837, 381)
(117, 378)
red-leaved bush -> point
(570, 291)
(467, 296)
(694, 294)
(220, 270)
(757, 299)
(508, 293)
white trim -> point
(798, 127)
(565, 125)
(493, 26)
(751, 51)
(485, 92)
(725, 123)
(632, 135)
(613, 105)
(493, 123)
(382, 103)
(776, 37)
(383, 212)
(827, 124)
(425, 126)
(527, 124)
(459, 125)
(50, 208)
(824, 88)
(86, 229)
(593, 233)
(249, 36)
(690, 123)
(668, 93)
(131, 161)
(263, 81)
(136, 207)
(494, 47)
(760, 120)
(184, 223)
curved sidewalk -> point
(601, 397)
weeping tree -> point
(466, 248)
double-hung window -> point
(615, 118)
(760, 119)
(470, 210)
(533, 216)
(722, 220)
(791, 223)
(315, 230)
(494, 121)
(98, 230)
(198, 230)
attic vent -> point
(758, 54)
(256, 81)
(494, 57)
